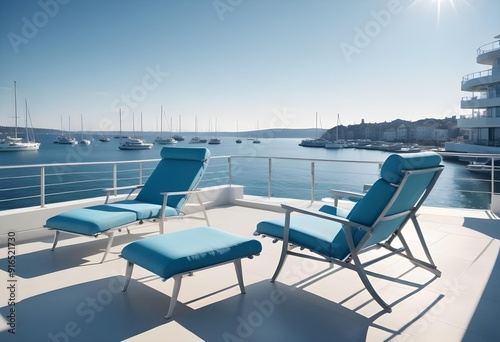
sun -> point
(440, 3)
(441, 6)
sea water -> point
(456, 187)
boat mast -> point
(81, 123)
(15, 109)
(133, 125)
(161, 121)
(120, 124)
(316, 131)
(338, 119)
(26, 126)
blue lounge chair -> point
(339, 236)
(163, 196)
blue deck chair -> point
(163, 196)
(339, 235)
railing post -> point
(269, 179)
(115, 179)
(42, 186)
(312, 182)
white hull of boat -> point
(19, 146)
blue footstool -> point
(176, 254)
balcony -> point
(482, 102)
(67, 295)
(479, 81)
(488, 53)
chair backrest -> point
(405, 181)
(180, 169)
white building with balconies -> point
(482, 125)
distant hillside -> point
(8, 130)
(265, 133)
(279, 133)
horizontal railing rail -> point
(488, 47)
(301, 178)
(477, 74)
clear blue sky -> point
(272, 63)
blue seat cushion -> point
(188, 250)
(91, 220)
(143, 210)
(322, 236)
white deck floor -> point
(67, 295)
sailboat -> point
(316, 142)
(83, 141)
(179, 137)
(196, 139)
(256, 140)
(164, 141)
(65, 139)
(215, 140)
(133, 143)
(337, 144)
(238, 140)
(19, 144)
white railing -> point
(478, 74)
(310, 179)
(488, 47)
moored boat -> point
(16, 144)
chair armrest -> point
(337, 193)
(132, 188)
(173, 193)
(325, 216)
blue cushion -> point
(92, 220)
(188, 250)
(395, 163)
(169, 176)
(179, 170)
(195, 154)
(319, 235)
(143, 210)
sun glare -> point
(441, 6)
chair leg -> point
(358, 267)
(422, 242)
(110, 235)
(56, 239)
(281, 262)
(368, 284)
(203, 209)
(284, 249)
(175, 294)
(128, 275)
(239, 274)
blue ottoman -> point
(176, 254)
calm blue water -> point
(456, 186)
